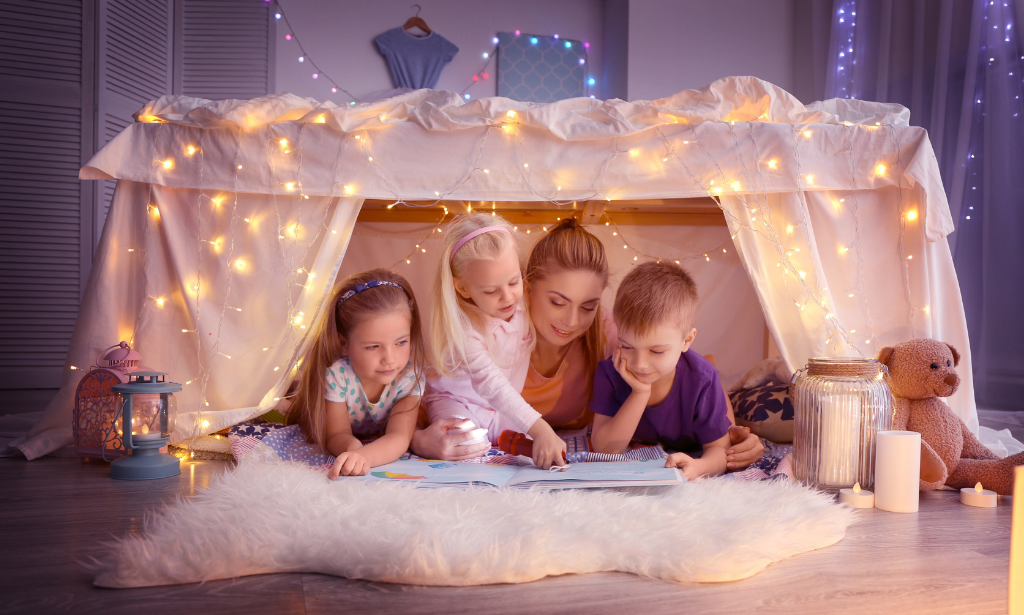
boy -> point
(654, 388)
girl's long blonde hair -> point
(330, 333)
(453, 315)
(570, 247)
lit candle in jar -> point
(978, 496)
(857, 497)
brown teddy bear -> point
(920, 372)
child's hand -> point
(684, 462)
(548, 448)
(349, 464)
(745, 448)
(631, 380)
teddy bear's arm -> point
(973, 448)
(900, 414)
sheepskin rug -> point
(285, 517)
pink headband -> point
(479, 231)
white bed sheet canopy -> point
(231, 218)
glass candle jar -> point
(840, 406)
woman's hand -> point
(435, 442)
(631, 380)
(548, 448)
(745, 448)
(350, 463)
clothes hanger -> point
(416, 21)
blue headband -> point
(361, 287)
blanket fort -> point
(231, 219)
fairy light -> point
(168, 164)
(880, 169)
(912, 215)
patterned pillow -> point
(766, 410)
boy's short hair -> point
(653, 294)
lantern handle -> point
(100, 356)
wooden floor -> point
(54, 513)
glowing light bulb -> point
(591, 81)
(287, 37)
(334, 90)
(302, 59)
(206, 424)
(316, 75)
(283, 142)
(880, 169)
(533, 41)
(772, 164)
(486, 55)
(568, 45)
(807, 134)
(717, 190)
(168, 164)
(320, 119)
(487, 170)
(348, 189)
(526, 165)
(160, 301)
(495, 40)
(511, 114)
(803, 274)
(190, 149)
(910, 257)
(912, 215)
(240, 264)
(810, 179)
(239, 167)
(789, 229)
(735, 186)
(289, 186)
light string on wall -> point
(481, 75)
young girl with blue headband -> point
(363, 375)
(482, 336)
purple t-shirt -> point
(693, 413)
(415, 61)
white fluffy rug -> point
(263, 518)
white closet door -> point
(44, 136)
(135, 57)
(226, 48)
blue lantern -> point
(148, 410)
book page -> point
(601, 473)
(428, 472)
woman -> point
(565, 276)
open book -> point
(434, 473)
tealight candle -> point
(977, 496)
(857, 497)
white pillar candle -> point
(897, 471)
(977, 496)
(840, 440)
(1016, 601)
(857, 497)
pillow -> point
(766, 410)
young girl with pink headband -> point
(482, 336)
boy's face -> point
(653, 356)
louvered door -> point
(134, 59)
(44, 135)
(226, 49)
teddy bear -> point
(921, 371)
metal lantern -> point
(96, 406)
(840, 406)
(145, 422)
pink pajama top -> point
(488, 384)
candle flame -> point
(978, 488)
(856, 488)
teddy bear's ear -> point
(885, 355)
(956, 355)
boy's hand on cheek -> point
(684, 462)
(631, 380)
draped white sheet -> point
(790, 178)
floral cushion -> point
(766, 410)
